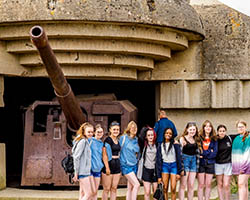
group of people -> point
(166, 158)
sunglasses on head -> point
(191, 124)
(114, 124)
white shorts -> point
(223, 169)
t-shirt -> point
(168, 156)
(116, 148)
(150, 157)
(206, 143)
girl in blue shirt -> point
(96, 146)
(129, 158)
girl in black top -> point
(111, 172)
(223, 165)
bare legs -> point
(165, 180)
(110, 183)
(133, 186)
(243, 186)
(223, 186)
(188, 181)
(147, 189)
(204, 180)
(87, 188)
(97, 183)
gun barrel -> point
(65, 95)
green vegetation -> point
(234, 185)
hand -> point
(182, 173)
(159, 180)
(176, 142)
(108, 171)
(178, 177)
(212, 150)
(201, 156)
(75, 178)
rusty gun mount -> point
(49, 125)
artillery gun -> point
(49, 125)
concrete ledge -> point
(2, 167)
(36, 194)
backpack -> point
(68, 164)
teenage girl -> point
(207, 159)
(190, 142)
(241, 159)
(112, 171)
(82, 162)
(223, 165)
(129, 159)
(169, 163)
(149, 166)
(96, 146)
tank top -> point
(189, 149)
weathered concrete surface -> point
(226, 49)
(2, 167)
(228, 117)
(177, 14)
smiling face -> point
(114, 131)
(191, 131)
(150, 136)
(168, 135)
(241, 128)
(222, 132)
(89, 131)
(133, 130)
(99, 133)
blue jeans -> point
(169, 168)
(189, 163)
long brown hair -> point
(246, 132)
(197, 138)
(81, 131)
(212, 134)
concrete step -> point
(36, 194)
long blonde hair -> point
(130, 124)
(81, 131)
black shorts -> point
(207, 168)
(114, 165)
(149, 175)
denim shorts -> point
(189, 163)
(83, 176)
(169, 168)
(96, 174)
(129, 169)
